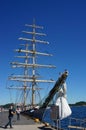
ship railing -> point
(75, 123)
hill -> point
(81, 103)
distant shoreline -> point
(81, 103)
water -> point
(78, 112)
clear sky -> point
(64, 23)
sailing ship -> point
(28, 81)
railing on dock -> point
(75, 123)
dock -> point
(25, 123)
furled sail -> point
(64, 108)
(61, 101)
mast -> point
(29, 54)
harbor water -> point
(77, 118)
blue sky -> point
(64, 23)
